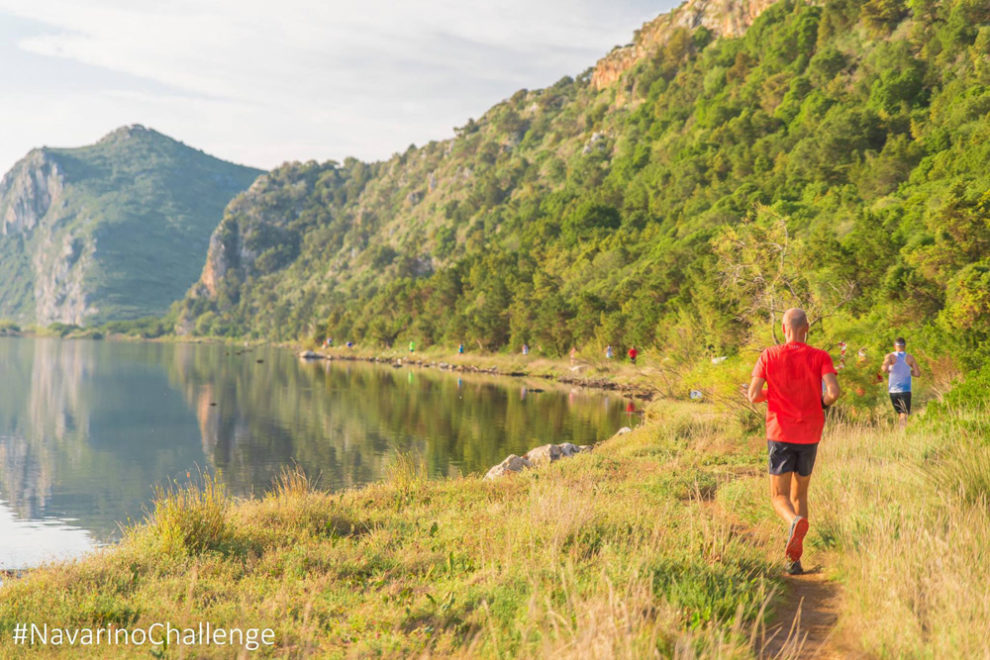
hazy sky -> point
(262, 82)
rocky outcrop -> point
(511, 464)
(254, 235)
(27, 192)
(60, 266)
(32, 195)
(542, 455)
(729, 18)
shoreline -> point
(551, 372)
(609, 375)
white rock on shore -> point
(541, 455)
(511, 464)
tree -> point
(760, 262)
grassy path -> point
(803, 625)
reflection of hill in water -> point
(344, 420)
(87, 428)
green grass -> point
(661, 541)
(601, 554)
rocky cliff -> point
(114, 230)
(728, 18)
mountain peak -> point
(129, 132)
(725, 18)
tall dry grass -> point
(904, 515)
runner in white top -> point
(900, 366)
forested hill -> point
(113, 230)
(681, 195)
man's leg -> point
(780, 495)
(902, 406)
(799, 494)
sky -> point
(261, 82)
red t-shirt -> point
(794, 373)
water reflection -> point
(88, 428)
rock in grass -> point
(543, 454)
(511, 464)
(537, 456)
(624, 430)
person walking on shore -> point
(900, 366)
(793, 374)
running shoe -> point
(795, 542)
(793, 568)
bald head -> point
(795, 324)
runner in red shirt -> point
(793, 373)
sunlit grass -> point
(661, 541)
(189, 518)
(599, 555)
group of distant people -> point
(798, 383)
(609, 353)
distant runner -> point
(632, 354)
(793, 373)
(901, 367)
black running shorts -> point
(901, 401)
(787, 457)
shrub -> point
(190, 518)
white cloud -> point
(261, 82)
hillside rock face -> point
(728, 18)
(27, 192)
(115, 230)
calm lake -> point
(89, 428)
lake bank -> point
(450, 567)
(88, 428)
(659, 540)
(609, 375)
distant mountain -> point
(737, 158)
(111, 231)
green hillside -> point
(833, 156)
(114, 230)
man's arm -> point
(915, 369)
(756, 393)
(832, 390)
(887, 363)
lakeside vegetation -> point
(661, 539)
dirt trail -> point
(804, 624)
